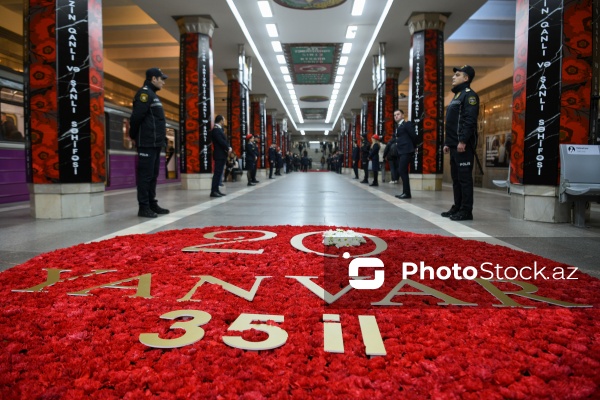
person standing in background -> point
(374, 157)
(148, 130)
(355, 158)
(251, 158)
(221, 149)
(365, 149)
(404, 138)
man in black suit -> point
(404, 138)
(221, 149)
(251, 159)
(272, 159)
(355, 158)
(365, 149)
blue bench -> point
(579, 178)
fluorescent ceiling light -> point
(287, 78)
(302, 133)
(280, 58)
(290, 86)
(335, 91)
(293, 96)
(343, 60)
(333, 97)
(326, 133)
(272, 30)
(338, 78)
(314, 142)
(337, 85)
(346, 48)
(351, 32)
(284, 70)
(277, 46)
(265, 9)
(357, 8)
(341, 70)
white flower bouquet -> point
(341, 238)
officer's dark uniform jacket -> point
(461, 117)
(147, 126)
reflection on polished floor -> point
(319, 198)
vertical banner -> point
(380, 113)
(234, 117)
(363, 121)
(439, 166)
(417, 107)
(72, 70)
(594, 116)
(244, 106)
(542, 120)
(204, 100)
(189, 161)
(263, 132)
(519, 92)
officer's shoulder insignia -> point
(457, 94)
(472, 100)
(143, 97)
(467, 90)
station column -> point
(237, 113)
(196, 106)
(64, 108)
(258, 123)
(551, 103)
(427, 99)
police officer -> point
(148, 130)
(460, 142)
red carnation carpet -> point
(255, 312)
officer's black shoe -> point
(222, 194)
(255, 181)
(462, 215)
(251, 184)
(158, 209)
(374, 184)
(450, 212)
(403, 196)
(364, 181)
(215, 194)
(146, 212)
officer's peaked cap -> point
(152, 72)
(467, 69)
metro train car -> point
(120, 151)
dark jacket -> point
(147, 125)
(404, 137)
(374, 156)
(251, 153)
(461, 117)
(355, 154)
(364, 150)
(219, 141)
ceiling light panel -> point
(277, 46)
(346, 48)
(358, 7)
(265, 9)
(272, 30)
(281, 59)
(351, 32)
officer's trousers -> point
(461, 170)
(147, 174)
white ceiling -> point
(139, 34)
